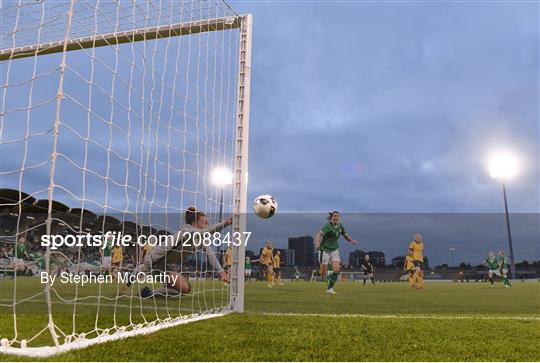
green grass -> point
(447, 321)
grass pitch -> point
(299, 321)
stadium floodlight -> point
(124, 108)
(221, 177)
(504, 165)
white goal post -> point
(113, 116)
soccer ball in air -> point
(265, 206)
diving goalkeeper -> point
(174, 251)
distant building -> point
(398, 261)
(356, 257)
(303, 250)
(377, 258)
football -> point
(265, 206)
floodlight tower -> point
(221, 177)
(504, 166)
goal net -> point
(114, 117)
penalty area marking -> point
(404, 316)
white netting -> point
(121, 136)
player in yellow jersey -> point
(227, 260)
(276, 265)
(410, 268)
(116, 262)
(145, 251)
(267, 259)
(416, 248)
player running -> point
(175, 249)
(416, 247)
(493, 267)
(18, 252)
(410, 268)
(503, 267)
(247, 269)
(106, 255)
(228, 259)
(116, 260)
(266, 259)
(276, 265)
(367, 267)
(326, 240)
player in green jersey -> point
(503, 267)
(19, 251)
(493, 266)
(326, 240)
(247, 268)
(106, 255)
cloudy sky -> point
(394, 107)
(386, 111)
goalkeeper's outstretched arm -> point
(197, 228)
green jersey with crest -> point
(492, 263)
(107, 249)
(331, 235)
(20, 250)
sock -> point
(414, 278)
(364, 281)
(421, 280)
(506, 281)
(270, 278)
(166, 291)
(491, 280)
(372, 281)
(332, 280)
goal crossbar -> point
(101, 40)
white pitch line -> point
(135, 307)
(404, 316)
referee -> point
(367, 267)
